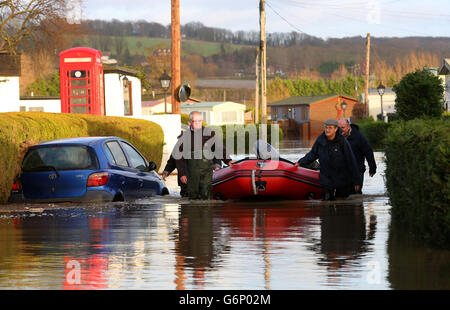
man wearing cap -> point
(339, 173)
(360, 147)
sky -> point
(320, 18)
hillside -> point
(288, 53)
(390, 57)
(211, 53)
(144, 45)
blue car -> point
(86, 169)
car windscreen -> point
(60, 158)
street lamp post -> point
(165, 84)
(344, 106)
(380, 90)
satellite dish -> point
(184, 92)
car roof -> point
(79, 140)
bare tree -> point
(33, 20)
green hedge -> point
(375, 132)
(18, 131)
(184, 118)
(418, 177)
(240, 131)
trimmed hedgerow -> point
(418, 177)
(243, 131)
(18, 131)
(375, 132)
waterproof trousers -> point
(199, 185)
(336, 193)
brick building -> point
(303, 116)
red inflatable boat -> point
(278, 178)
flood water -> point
(174, 244)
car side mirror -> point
(151, 166)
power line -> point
(362, 7)
(291, 24)
(288, 22)
(357, 10)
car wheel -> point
(118, 197)
(165, 191)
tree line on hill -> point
(195, 31)
(290, 56)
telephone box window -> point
(78, 91)
(78, 83)
(79, 109)
(78, 100)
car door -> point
(148, 184)
(56, 171)
(38, 185)
(76, 164)
(123, 175)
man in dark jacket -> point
(199, 152)
(339, 173)
(170, 167)
(360, 147)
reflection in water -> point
(269, 225)
(171, 243)
(174, 244)
(56, 238)
(195, 245)
(413, 266)
(342, 239)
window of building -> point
(127, 98)
(229, 117)
(36, 109)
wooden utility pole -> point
(366, 91)
(262, 47)
(176, 76)
(257, 89)
(263, 76)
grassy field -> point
(141, 45)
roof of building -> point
(387, 90)
(305, 100)
(152, 103)
(207, 104)
(119, 70)
(225, 84)
(445, 68)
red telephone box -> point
(81, 81)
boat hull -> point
(253, 178)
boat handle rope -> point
(255, 191)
